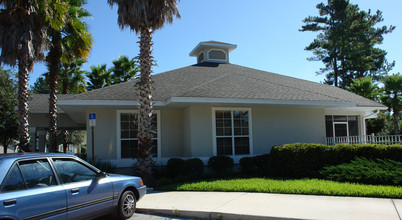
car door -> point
(31, 191)
(87, 194)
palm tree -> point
(99, 77)
(144, 17)
(23, 41)
(392, 97)
(71, 77)
(365, 87)
(124, 69)
(69, 40)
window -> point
(232, 132)
(73, 171)
(217, 55)
(200, 57)
(341, 126)
(128, 134)
(14, 180)
(37, 173)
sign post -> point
(92, 123)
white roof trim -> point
(257, 101)
(230, 47)
(103, 103)
(332, 105)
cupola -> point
(212, 51)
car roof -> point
(31, 155)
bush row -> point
(306, 160)
(177, 168)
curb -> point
(207, 215)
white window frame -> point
(158, 121)
(250, 125)
(217, 60)
(203, 59)
(344, 123)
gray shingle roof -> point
(228, 81)
(40, 102)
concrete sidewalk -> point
(233, 205)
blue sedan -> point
(62, 186)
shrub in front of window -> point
(221, 164)
(175, 167)
(247, 165)
(194, 168)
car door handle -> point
(76, 190)
(10, 202)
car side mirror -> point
(100, 175)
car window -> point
(73, 171)
(14, 181)
(37, 173)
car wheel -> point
(126, 205)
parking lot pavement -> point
(138, 216)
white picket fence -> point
(365, 139)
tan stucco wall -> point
(275, 126)
(105, 134)
(200, 131)
(172, 133)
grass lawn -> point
(298, 186)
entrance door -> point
(341, 129)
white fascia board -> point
(259, 102)
(45, 112)
(103, 103)
(230, 47)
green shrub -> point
(221, 164)
(103, 165)
(306, 160)
(194, 168)
(263, 164)
(367, 171)
(175, 167)
(247, 165)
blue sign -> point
(92, 116)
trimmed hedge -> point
(302, 160)
(184, 169)
(221, 164)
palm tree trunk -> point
(145, 84)
(54, 63)
(65, 140)
(23, 95)
(396, 121)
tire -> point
(127, 205)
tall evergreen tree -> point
(346, 42)
(8, 117)
(144, 17)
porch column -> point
(42, 140)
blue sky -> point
(265, 32)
